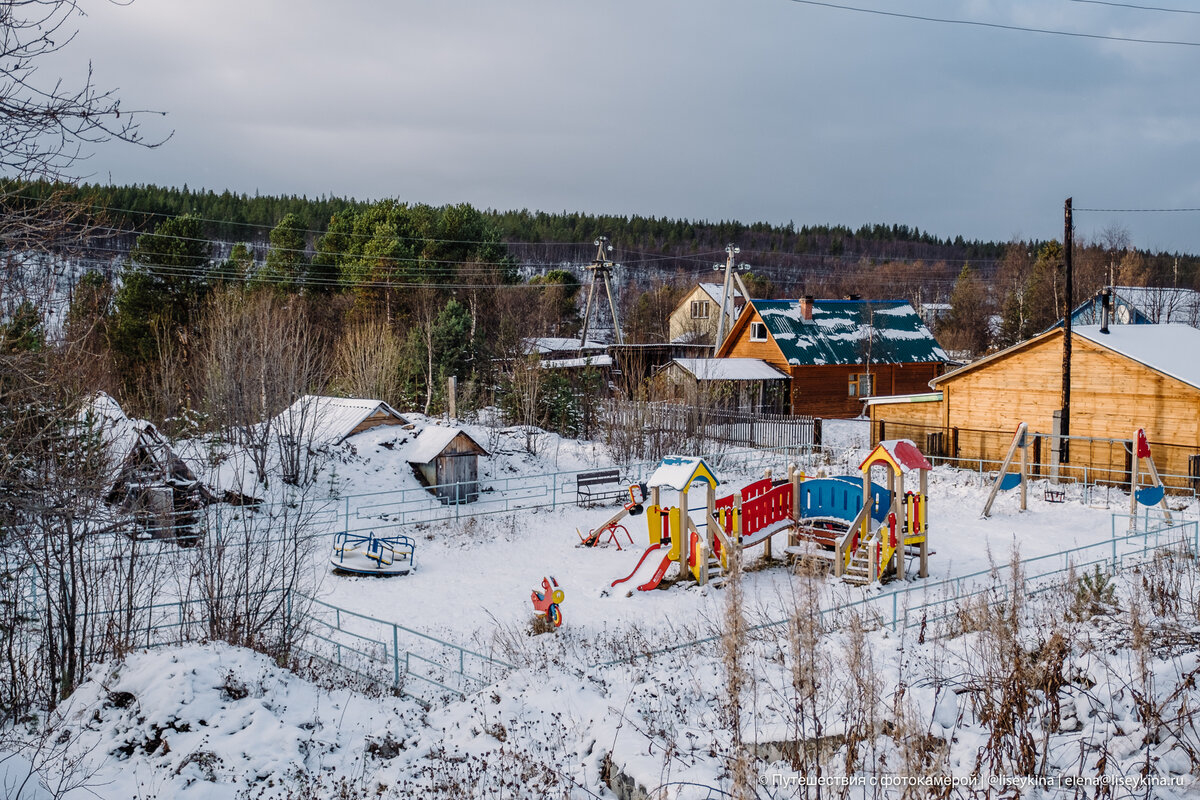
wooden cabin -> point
(837, 352)
(1134, 376)
(447, 460)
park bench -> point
(598, 486)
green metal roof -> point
(850, 332)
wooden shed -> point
(447, 459)
(1133, 376)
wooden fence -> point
(651, 430)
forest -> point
(389, 299)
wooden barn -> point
(1133, 376)
(837, 352)
(733, 384)
(447, 460)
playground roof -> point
(850, 332)
(680, 472)
(730, 369)
(430, 443)
(901, 453)
(333, 419)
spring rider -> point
(546, 602)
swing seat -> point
(1150, 496)
(1011, 480)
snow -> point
(553, 344)
(715, 290)
(432, 441)
(730, 369)
(679, 472)
(577, 363)
(1173, 349)
(331, 419)
(215, 721)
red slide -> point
(657, 577)
(641, 560)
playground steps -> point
(858, 571)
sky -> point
(754, 110)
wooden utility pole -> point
(1068, 246)
(730, 252)
(601, 268)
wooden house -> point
(447, 460)
(694, 320)
(1141, 305)
(837, 352)
(1133, 376)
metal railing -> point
(393, 655)
(897, 610)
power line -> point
(1138, 7)
(1140, 210)
(996, 25)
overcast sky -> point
(716, 109)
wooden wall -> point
(824, 391)
(1111, 397)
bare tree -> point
(258, 356)
(368, 360)
(46, 123)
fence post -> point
(554, 492)
(346, 528)
(395, 657)
(894, 617)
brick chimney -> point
(806, 307)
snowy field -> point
(212, 721)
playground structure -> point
(824, 517)
(1006, 480)
(1155, 493)
(547, 601)
(373, 555)
(612, 526)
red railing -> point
(767, 508)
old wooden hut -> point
(447, 460)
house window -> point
(699, 309)
(758, 332)
(860, 384)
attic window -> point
(699, 309)
(758, 332)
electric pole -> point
(601, 268)
(1068, 246)
(730, 252)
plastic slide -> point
(660, 568)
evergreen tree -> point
(287, 260)
(967, 326)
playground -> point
(654, 571)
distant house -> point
(322, 420)
(563, 353)
(694, 320)
(447, 459)
(735, 384)
(1142, 305)
(1134, 376)
(837, 352)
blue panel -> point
(1011, 480)
(1150, 496)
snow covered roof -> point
(714, 291)
(333, 419)
(555, 344)
(902, 454)
(850, 332)
(430, 443)
(575, 363)
(729, 369)
(119, 433)
(895, 399)
(680, 472)
(1172, 349)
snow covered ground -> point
(214, 721)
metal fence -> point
(938, 603)
(392, 655)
